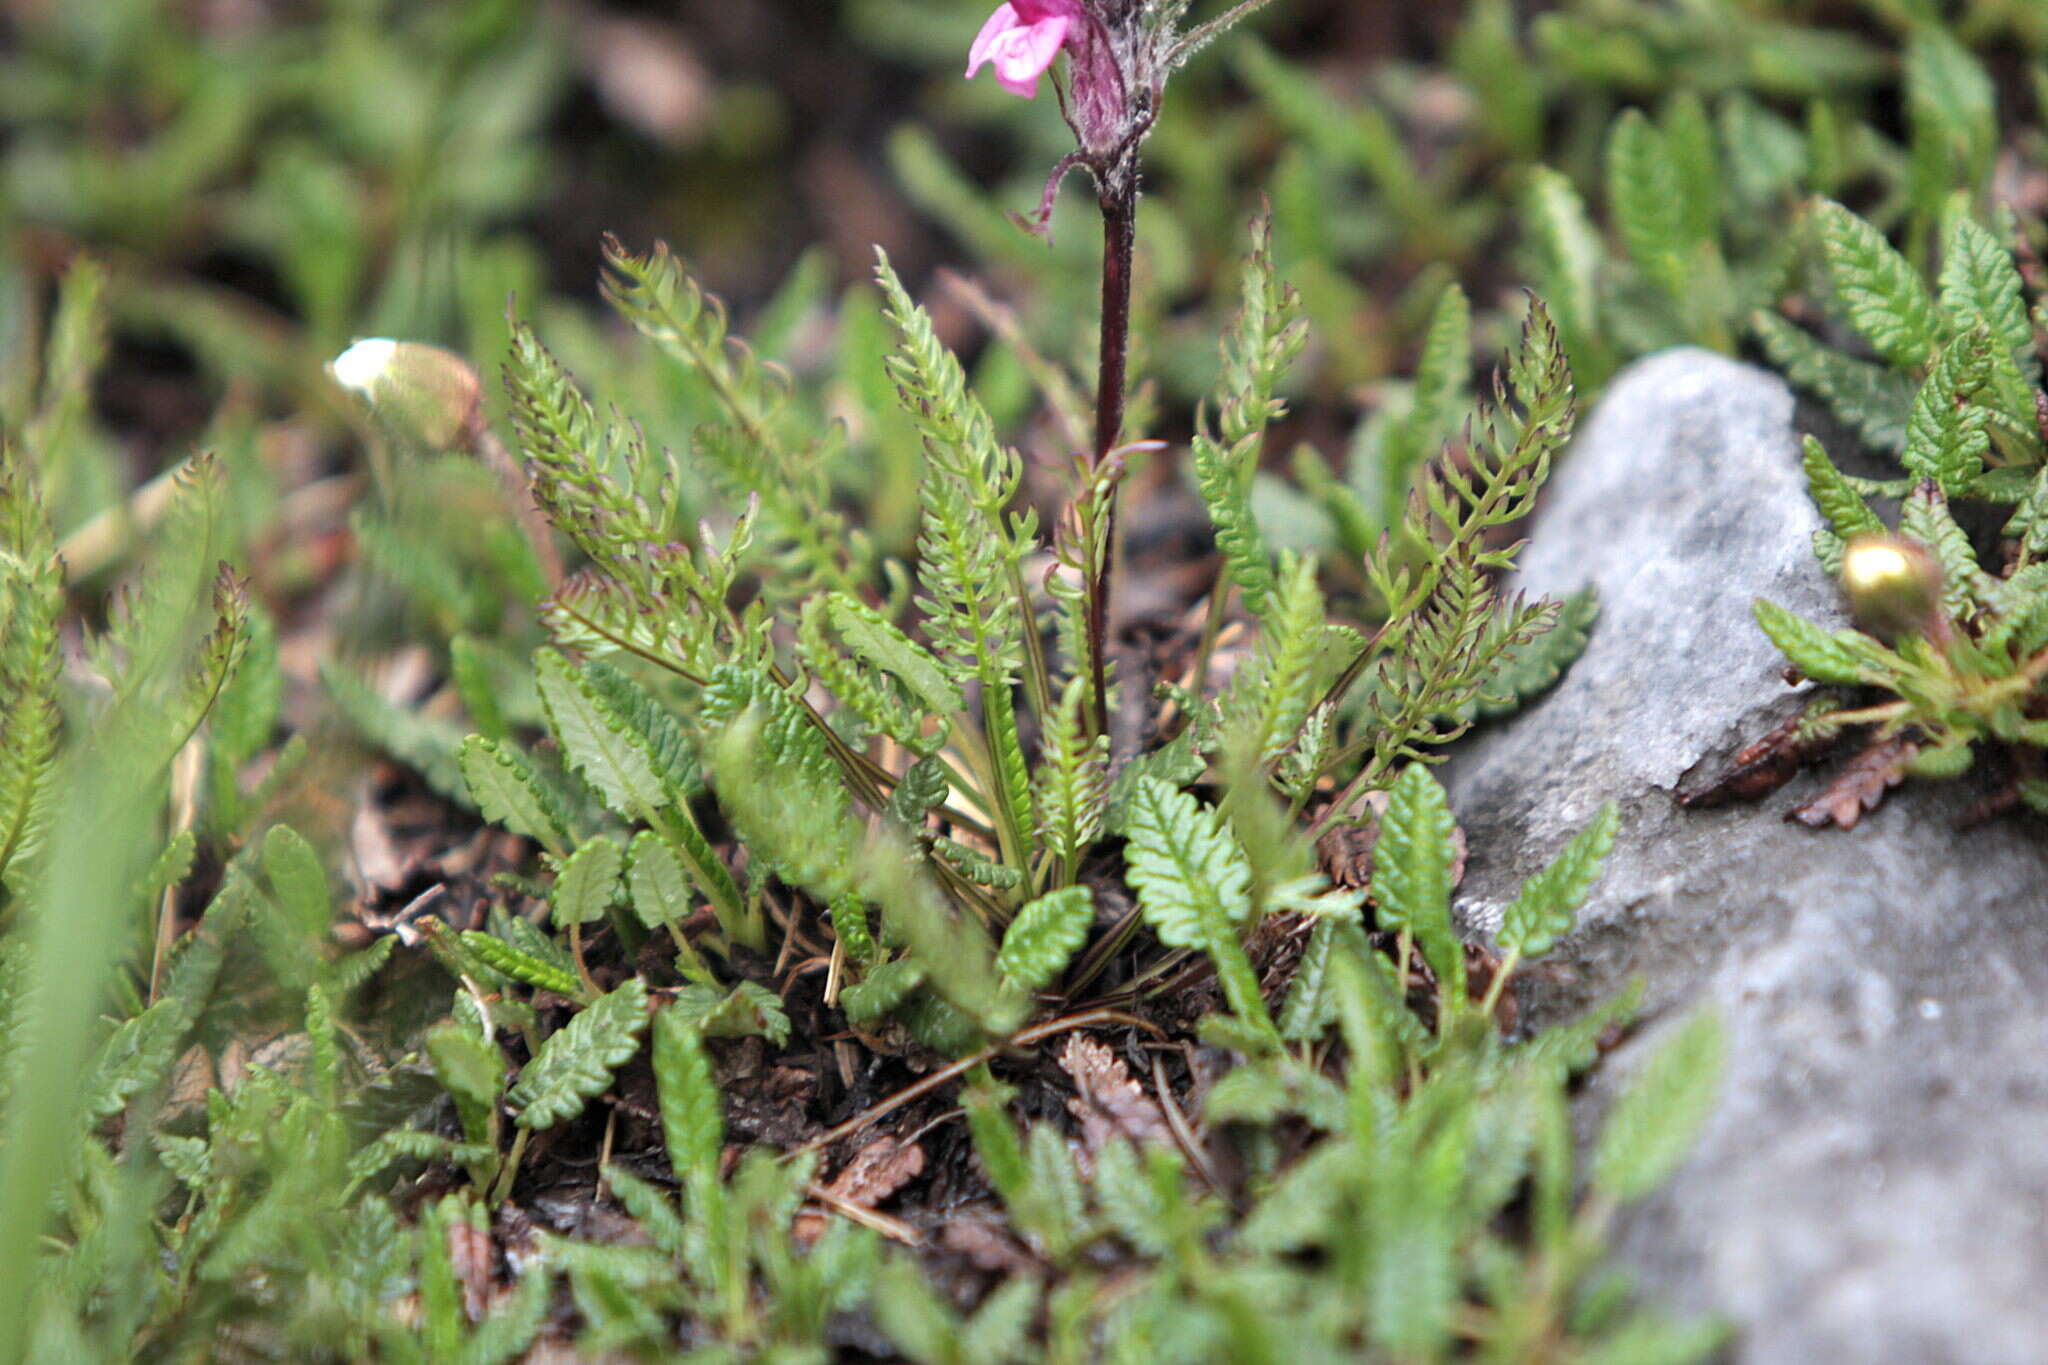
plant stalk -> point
(1118, 196)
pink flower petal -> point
(999, 23)
(1021, 55)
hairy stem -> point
(1119, 200)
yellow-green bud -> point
(1894, 587)
(427, 396)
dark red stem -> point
(1119, 199)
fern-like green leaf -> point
(1194, 886)
(576, 1063)
(1411, 873)
(1072, 794)
(1874, 399)
(1257, 352)
(747, 1010)
(505, 786)
(1813, 651)
(1981, 287)
(31, 600)
(1848, 515)
(1441, 396)
(1045, 936)
(1925, 516)
(520, 965)
(1547, 905)
(1883, 295)
(778, 783)
(1648, 201)
(1946, 436)
(1566, 271)
(471, 1069)
(692, 1121)
(615, 759)
(656, 885)
(1652, 1126)
(588, 882)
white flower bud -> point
(429, 397)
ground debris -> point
(1761, 767)
(1109, 1103)
(1859, 786)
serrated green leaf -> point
(656, 884)
(1981, 287)
(1547, 905)
(1648, 201)
(502, 957)
(692, 1121)
(1689, 142)
(1567, 273)
(502, 781)
(1185, 866)
(1044, 936)
(1925, 517)
(1946, 437)
(1443, 373)
(471, 1069)
(663, 737)
(1072, 792)
(747, 1010)
(588, 882)
(1841, 504)
(870, 635)
(576, 1063)
(1814, 652)
(613, 758)
(1883, 295)
(1194, 887)
(297, 880)
(136, 1056)
(467, 665)
(1309, 1008)
(1411, 872)
(1652, 1125)
(882, 990)
(1873, 399)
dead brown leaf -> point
(1760, 769)
(877, 1171)
(1344, 852)
(987, 1244)
(471, 1255)
(1859, 786)
(1110, 1104)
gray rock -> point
(1874, 1184)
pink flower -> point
(1021, 39)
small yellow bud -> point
(1894, 587)
(429, 397)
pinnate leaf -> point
(692, 1123)
(612, 757)
(1884, 296)
(1653, 1124)
(1045, 934)
(1548, 903)
(576, 1062)
(1812, 650)
(509, 792)
(1411, 871)
(587, 883)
